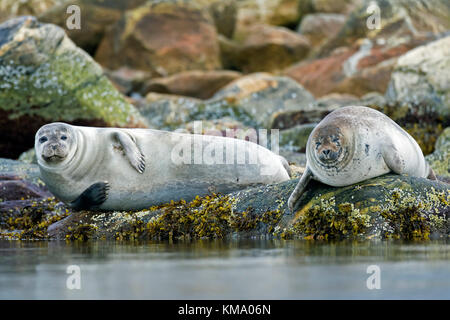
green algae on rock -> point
(44, 77)
(439, 160)
(389, 206)
(383, 207)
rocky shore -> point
(234, 65)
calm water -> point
(225, 270)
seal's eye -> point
(335, 140)
(63, 138)
(43, 139)
(318, 144)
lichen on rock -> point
(44, 77)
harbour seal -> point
(357, 143)
(133, 169)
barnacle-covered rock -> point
(390, 206)
(27, 208)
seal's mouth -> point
(328, 156)
(53, 158)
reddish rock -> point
(355, 70)
(373, 78)
(162, 38)
(197, 84)
(320, 76)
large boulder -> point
(170, 112)
(390, 206)
(272, 12)
(163, 38)
(95, 18)
(400, 22)
(265, 48)
(421, 76)
(44, 77)
(197, 84)
(262, 96)
(336, 6)
(364, 67)
(318, 27)
(10, 9)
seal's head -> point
(54, 143)
(329, 145)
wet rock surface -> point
(391, 206)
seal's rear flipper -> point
(92, 197)
(134, 155)
(286, 165)
(300, 188)
(431, 174)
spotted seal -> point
(356, 143)
(132, 169)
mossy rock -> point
(27, 216)
(44, 77)
(390, 206)
(439, 160)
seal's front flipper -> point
(92, 197)
(300, 188)
(131, 150)
(393, 159)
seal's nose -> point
(54, 146)
(326, 152)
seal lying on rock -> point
(356, 143)
(132, 169)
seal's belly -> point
(356, 172)
(163, 180)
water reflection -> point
(266, 269)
